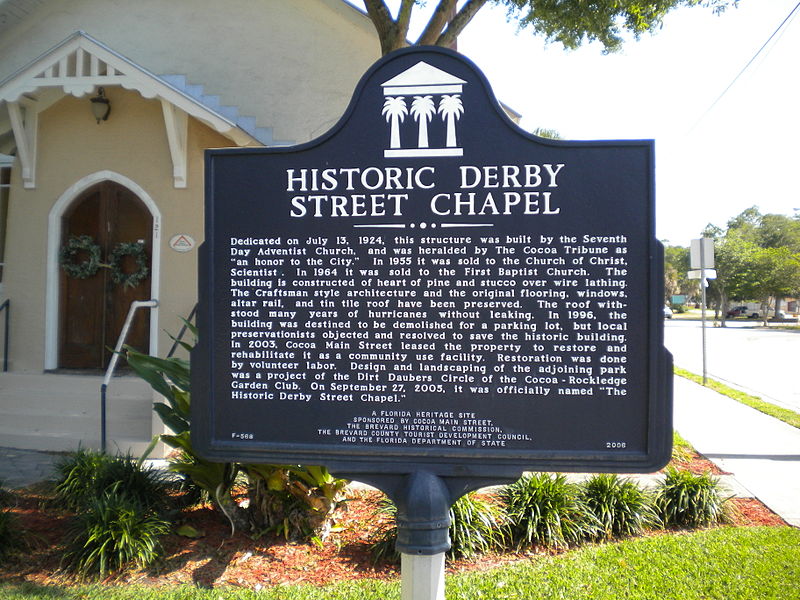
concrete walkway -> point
(21, 468)
(761, 453)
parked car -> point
(736, 311)
(667, 312)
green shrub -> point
(297, 502)
(621, 507)
(111, 533)
(546, 510)
(684, 499)
(682, 451)
(84, 475)
(5, 496)
(385, 539)
(12, 535)
(477, 526)
(75, 476)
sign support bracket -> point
(423, 501)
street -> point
(762, 362)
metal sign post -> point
(431, 300)
(701, 256)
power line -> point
(750, 62)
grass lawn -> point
(789, 417)
(726, 563)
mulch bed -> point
(216, 558)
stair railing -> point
(112, 365)
(182, 332)
(6, 308)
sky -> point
(713, 160)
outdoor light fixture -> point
(101, 106)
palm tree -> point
(395, 111)
(423, 109)
(451, 109)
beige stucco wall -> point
(292, 64)
(133, 144)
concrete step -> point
(57, 412)
(123, 407)
(68, 443)
(136, 425)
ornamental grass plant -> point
(112, 532)
(12, 535)
(478, 525)
(546, 510)
(120, 511)
(687, 500)
(84, 475)
(621, 507)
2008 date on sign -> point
(616, 445)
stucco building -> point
(96, 212)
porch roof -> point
(78, 66)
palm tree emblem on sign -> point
(395, 111)
(451, 109)
(424, 82)
(423, 109)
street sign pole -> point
(701, 256)
(703, 285)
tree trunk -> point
(724, 305)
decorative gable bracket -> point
(176, 122)
(79, 65)
(25, 125)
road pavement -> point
(762, 361)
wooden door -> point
(93, 308)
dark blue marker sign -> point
(429, 287)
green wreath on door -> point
(77, 244)
(139, 254)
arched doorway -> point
(93, 306)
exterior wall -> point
(133, 144)
(292, 65)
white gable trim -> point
(79, 65)
(25, 125)
(54, 243)
(177, 124)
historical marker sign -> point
(429, 287)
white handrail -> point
(136, 304)
(112, 365)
